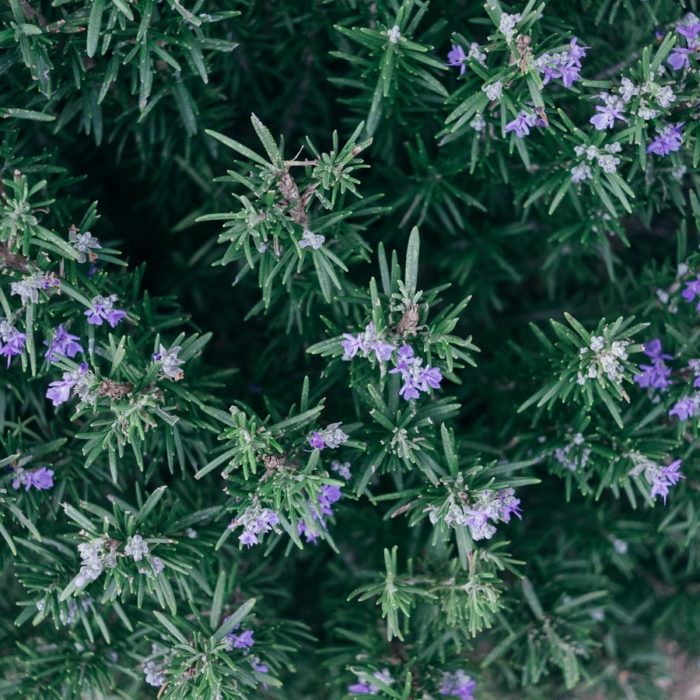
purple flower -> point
(692, 290)
(458, 685)
(40, 479)
(508, 505)
(565, 65)
(679, 58)
(244, 640)
(258, 665)
(668, 140)
(366, 687)
(689, 27)
(684, 409)
(351, 345)
(102, 309)
(656, 375)
(248, 538)
(430, 377)
(522, 123)
(654, 350)
(607, 113)
(62, 344)
(664, 478)
(11, 341)
(457, 58)
(255, 521)
(331, 436)
(59, 391)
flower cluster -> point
(331, 436)
(342, 469)
(609, 112)
(11, 341)
(523, 122)
(416, 377)
(154, 669)
(688, 28)
(573, 456)
(255, 521)
(367, 344)
(62, 344)
(564, 65)
(40, 479)
(605, 158)
(479, 515)
(507, 25)
(685, 408)
(364, 686)
(458, 58)
(96, 555)
(84, 243)
(667, 140)
(692, 290)
(137, 548)
(79, 382)
(239, 640)
(169, 362)
(311, 240)
(28, 288)
(102, 309)
(656, 375)
(323, 509)
(660, 478)
(458, 685)
(602, 357)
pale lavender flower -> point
(102, 309)
(522, 123)
(258, 665)
(581, 172)
(457, 58)
(255, 521)
(327, 497)
(40, 479)
(154, 673)
(28, 288)
(170, 362)
(366, 687)
(458, 685)
(679, 58)
(157, 565)
(84, 243)
(331, 436)
(508, 505)
(692, 290)
(565, 65)
(416, 378)
(608, 113)
(656, 375)
(685, 408)
(311, 240)
(136, 547)
(664, 478)
(63, 344)
(244, 640)
(11, 341)
(341, 469)
(668, 140)
(689, 27)
(77, 382)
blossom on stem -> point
(608, 113)
(12, 342)
(40, 479)
(63, 344)
(668, 140)
(102, 309)
(458, 685)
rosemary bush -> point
(349, 348)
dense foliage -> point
(349, 348)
